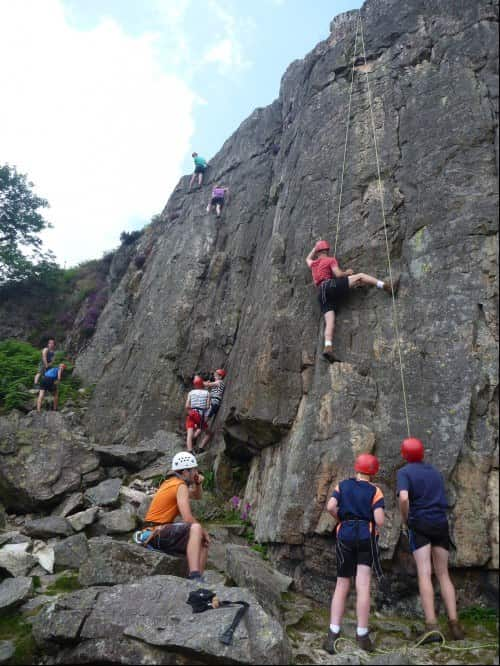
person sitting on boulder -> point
(333, 284)
(183, 482)
(217, 200)
(423, 505)
(200, 166)
(50, 382)
(197, 408)
(217, 388)
(359, 506)
(48, 354)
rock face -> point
(41, 459)
(237, 293)
(13, 591)
(94, 626)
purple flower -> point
(235, 501)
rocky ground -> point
(76, 589)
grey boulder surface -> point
(71, 553)
(51, 526)
(41, 459)
(153, 613)
(79, 521)
(13, 592)
(237, 293)
(106, 493)
(111, 562)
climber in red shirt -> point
(333, 284)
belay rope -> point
(395, 318)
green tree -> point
(21, 253)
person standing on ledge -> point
(50, 382)
(217, 388)
(358, 505)
(48, 353)
(200, 166)
(333, 285)
(183, 483)
(423, 505)
(197, 407)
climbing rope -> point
(443, 645)
(395, 318)
(348, 123)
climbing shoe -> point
(432, 634)
(141, 536)
(328, 354)
(456, 630)
(395, 284)
(365, 642)
(329, 642)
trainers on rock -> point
(365, 642)
(432, 634)
(329, 354)
(329, 642)
(456, 630)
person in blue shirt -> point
(50, 382)
(358, 505)
(200, 166)
(423, 506)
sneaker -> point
(395, 284)
(140, 536)
(456, 630)
(432, 634)
(329, 642)
(328, 354)
(365, 642)
(196, 577)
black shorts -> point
(352, 553)
(331, 292)
(217, 201)
(214, 408)
(199, 169)
(422, 533)
(48, 384)
(172, 538)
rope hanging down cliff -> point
(395, 318)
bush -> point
(127, 238)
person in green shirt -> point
(200, 164)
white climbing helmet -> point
(183, 460)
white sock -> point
(380, 284)
(335, 628)
(361, 631)
(328, 343)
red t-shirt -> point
(322, 269)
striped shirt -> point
(198, 399)
(217, 392)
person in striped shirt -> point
(217, 388)
(197, 409)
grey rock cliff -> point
(236, 292)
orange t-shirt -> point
(164, 508)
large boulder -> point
(13, 592)
(139, 456)
(15, 560)
(112, 562)
(51, 526)
(107, 493)
(153, 612)
(248, 568)
(79, 521)
(117, 522)
(69, 505)
(71, 553)
(41, 459)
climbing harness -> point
(202, 600)
(359, 29)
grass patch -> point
(37, 583)
(68, 583)
(14, 628)
(479, 616)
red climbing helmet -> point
(367, 464)
(221, 373)
(412, 449)
(322, 245)
(198, 382)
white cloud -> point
(94, 121)
(227, 50)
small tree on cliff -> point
(21, 254)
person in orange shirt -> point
(183, 483)
(358, 505)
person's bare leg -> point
(424, 571)
(56, 400)
(206, 438)
(193, 549)
(363, 579)
(37, 378)
(39, 401)
(359, 279)
(217, 210)
(338, 600)
(189, 439)
(329, 326)
(208, 208)
(192, 180)
(440, 561)
(203, 558)
(200, 179)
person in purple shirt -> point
(217, 200)
(423, 505)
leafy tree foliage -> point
(21, 254)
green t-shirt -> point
(199, 161)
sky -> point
(103, 101)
